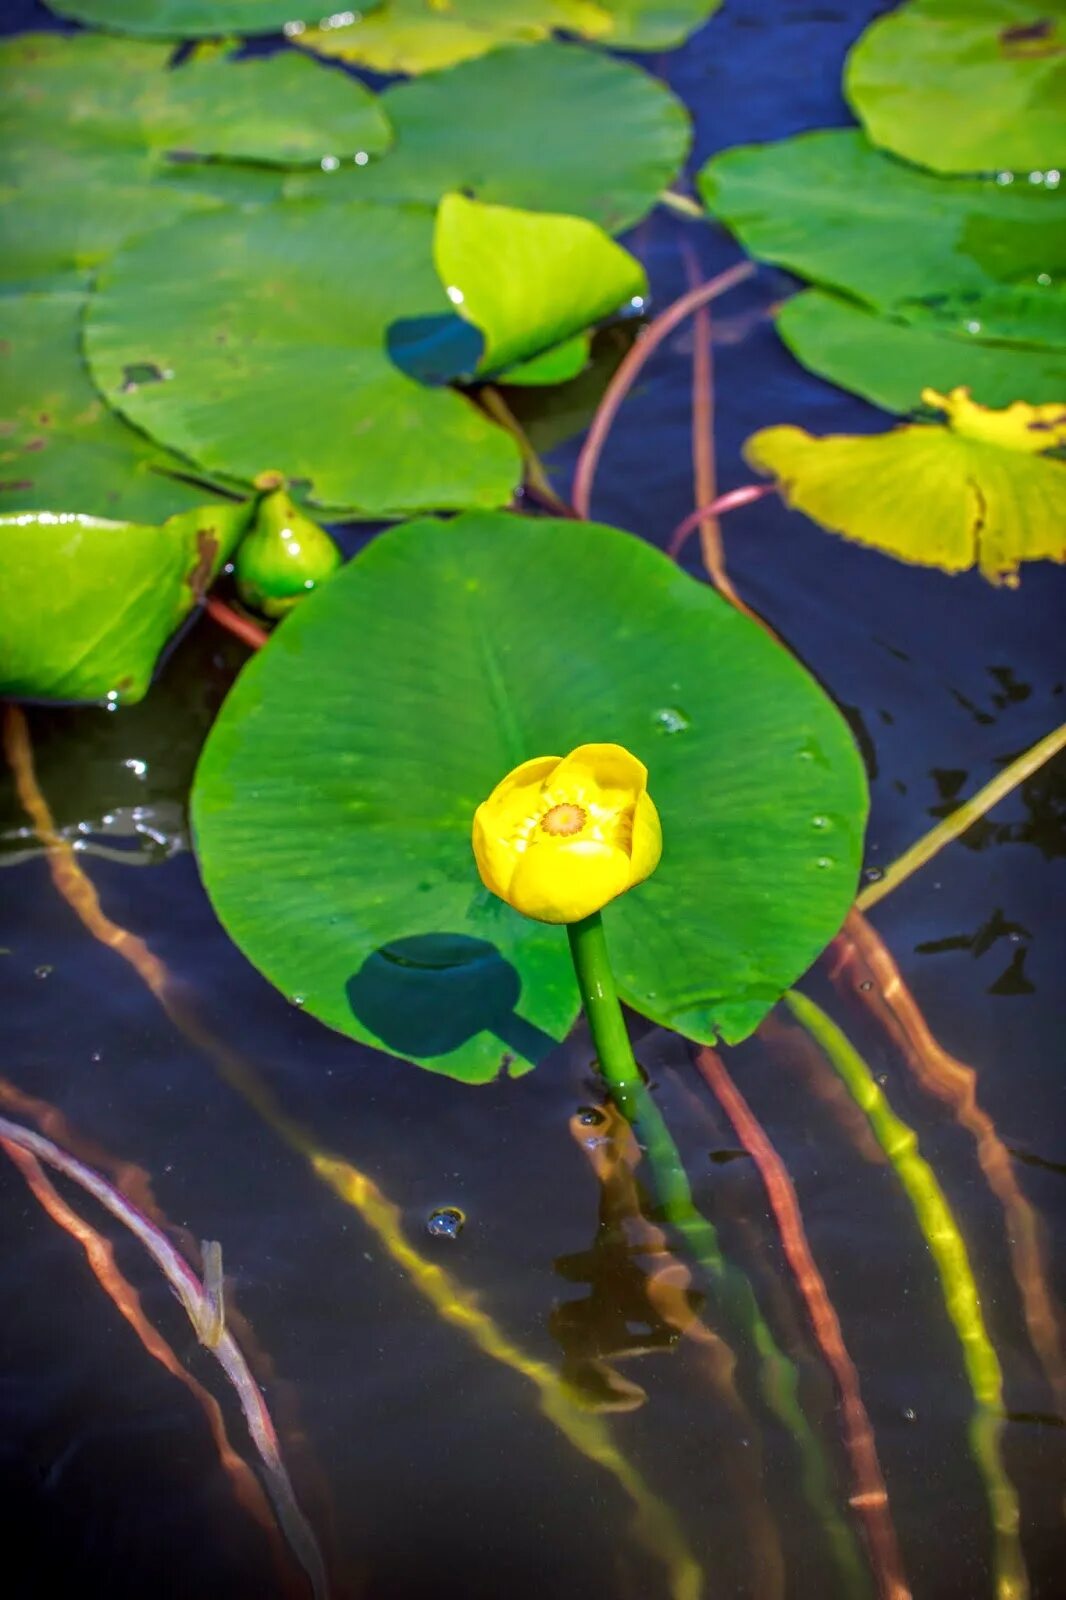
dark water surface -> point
(426, 1467)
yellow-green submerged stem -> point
(778, 1379)
(948, 1249)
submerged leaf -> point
(89, 604)
(834, 209)
(891, 362)
(273, 327)
(333, 803)
(975, 493)
(535, 126)
(965, 85)
(529, 280)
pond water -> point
(425, 1465)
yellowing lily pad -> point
(335, 797)
(966, 85)
(529, 280)
(414, 36)
(89, 604)
(548, 127)
(979, 492)
(272, 328)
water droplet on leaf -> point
(668, 719)
(445, 1222)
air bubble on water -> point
(138, 768)
(330, 163)
(456, 296)
(1036, 177)
(668, 719)
(360, 158)
(1051, 178)
(97, 1055)
(43, 971)
(292, 30)
(445, 1222)
(973, 327)
(873, 874)
(1004, 177)
(637, 302)
(909, 1414)
(866, 985)
(297, 999)
(111, 701)
(591, 1117)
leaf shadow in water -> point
(428, 994)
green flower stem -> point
(948, 1250)
(778, 1379)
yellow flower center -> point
(563, 820)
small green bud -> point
(283, 557)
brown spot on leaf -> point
(17, 483)
(44, 418)
(206, 554)
(36, 443)
(1028, 40)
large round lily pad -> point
(965, 85)
(180, 19)
(891, 362)
(832, 208)
(333, 802)
(61, 447)
(271, 330)
(550, 127)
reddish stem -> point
(744, 496)
(869, 1498)
(631, 365)
(243, 628)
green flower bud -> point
(283, 557)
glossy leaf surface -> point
(273, 326)
(88, 604)
(334, 800)
(965, 85)
(965, 252)
(891, 362)
(548, 127)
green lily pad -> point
(60, 445)
(965, 85)
(530, 281)
(101, 141)
(832, 208)
(179, 19)
(891, 362)
(272, 328)
(936, 496)
(333, 803)
(655, 24)
(508, 129)
(89, 604)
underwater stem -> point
(948, 1250)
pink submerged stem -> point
(730, 501)
(632, 363)
(202, 1312)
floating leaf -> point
(965, 85)
(655, 24)
(979, 492)
(332, 807)
(60, 445)
(533, 126)
(529, 280)
(891, 363)
(179, 19)
(89, 127)
(272, 326)
(562, 363)
(411, 36)
(88, 604)
(832, 208)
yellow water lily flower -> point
(560, 836)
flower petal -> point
(502, 821)
(607, 773)
(563, 880)
(647, 844)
